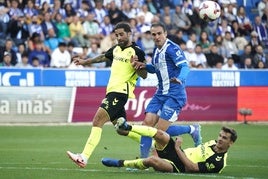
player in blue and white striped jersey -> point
(171, 67)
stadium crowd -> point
(47, 33)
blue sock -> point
(145, 145)
(175, 130)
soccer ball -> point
(209, 10)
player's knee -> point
(151, 161)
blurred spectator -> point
(115, 14)
(136, 33)
(95, 51)
(99, 11)
(21, 50)
(44, 8)
(181, 20)
(191, 55)
(254, 41)
(106, 26)
(47, 24)
(29, 11)
(77, 32)
(35, 27)
(264, 17)
(39, 52)
(243, 20)
(260, 56)
(166, 11)
(40, 3)
(36, 62)
(70, 49)
(192, 41)
(147, 43)
(247, 53)
(148, 16)
(63, 28)
(6, 60)
(57, 9)
(33, 40)
(52, 41)
(170, 27)
(4, 20)
(223, 28)
(262, 31)
(247, 64)
(177, 37)
(24, 62)
(14, 11)
(107, 42)
(153, 7)
(236, 29)
(229, 65)
(240, 42)
(70, 12)
(91, 28)
(200, 57)
(230, 13)
(142, 25)
(128, 10)
(204, 41)
(260, 65)
(60, 57)
(84, 10)
(18, 30)
(213, 58)
(8, 48)
(222, 49)
(262, 4)
(230, 45)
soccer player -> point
(171, 67)
(209, 157)
(121, 85)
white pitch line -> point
(121, 171)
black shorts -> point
(114, 104)
(170, 154)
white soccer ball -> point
(209, 10)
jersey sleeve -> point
(109, 53)
(140, 54)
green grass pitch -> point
(40, 152)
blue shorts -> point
(166, 107)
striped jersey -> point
(166, 62)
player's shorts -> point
(166, 107)
(169, 153)
(114, 104)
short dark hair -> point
(123, 25)
(159, 24)
(231, 131)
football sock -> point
(175, 130)
(145, 146)
(134, 136)
(138, 163)
(144, 130)
(92, 141)
(146, 140)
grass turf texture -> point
(40, 152)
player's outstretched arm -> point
(79, 61)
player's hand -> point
(78, 61)
(136, 64)
(175, 80)
(178, 143)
